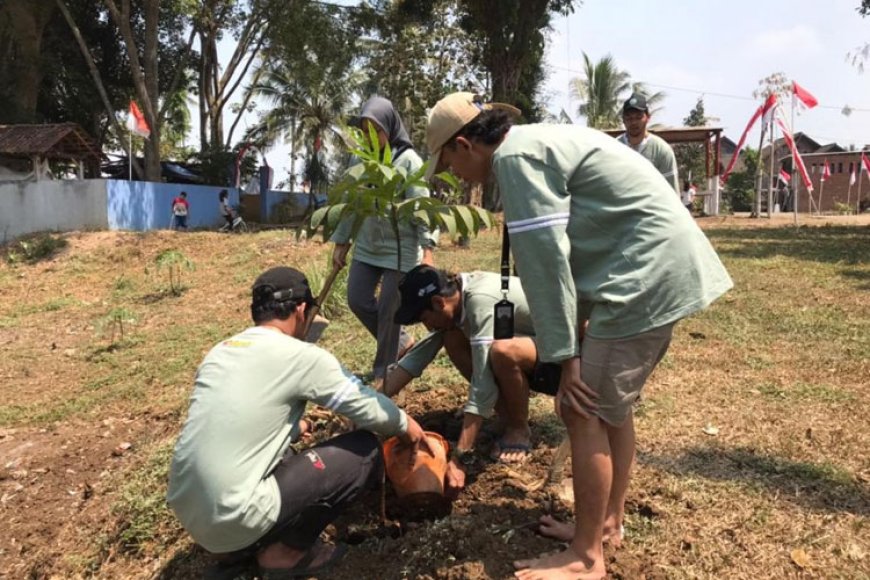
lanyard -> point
(505, 260)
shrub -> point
(34, 249)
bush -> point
(35, 249)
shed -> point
(39, 144)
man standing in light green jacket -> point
(597, 236)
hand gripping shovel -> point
(314, 323)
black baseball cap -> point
(416, 290)
(636, 101)
(280, 285)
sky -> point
(719, 51)
(711, 49)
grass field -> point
(753, 433)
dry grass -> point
(780, 367)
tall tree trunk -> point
(98, 82)
(152, 144)
(27, 21)
(144, 74)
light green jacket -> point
(375, 242)
(480, 292)
(250, 393)
(597, 234)
(660, 154)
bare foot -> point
(514, 446)
(565, 565)
(550, 527)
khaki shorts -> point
(617, 369)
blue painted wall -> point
(142, 205)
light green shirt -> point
(597, 234)
(375, 242)
(660, 154)
(250, 393)
(480, 292)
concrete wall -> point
(27, 207)
(140, 205)
(297, 206)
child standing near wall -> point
(180, 210)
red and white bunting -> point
(826, 171)
(865, 163)
(798, 161)
(852, 178)
(784, 176)
(740, 144)
(768, 109)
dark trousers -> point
(318, 484)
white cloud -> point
(799, 39)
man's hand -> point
(339, 255)
(573, 392)
(454, 479)
(416, 439)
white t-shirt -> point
(688, 196)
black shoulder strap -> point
(505, 259)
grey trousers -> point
(376, 312)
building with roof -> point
(27, 150)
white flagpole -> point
(849, 191)
(130, 158)
(772, 164)
(795, 182)
(822, 180)
(860, 175)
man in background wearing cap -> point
(459, 309)
(235, 483)
(635, 116)
(597, 236)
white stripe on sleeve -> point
(338, 398)
(535, 223)
(476, 340)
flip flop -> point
(501, 447)
(229, 571)
(303, 568)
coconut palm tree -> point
(602, 90)
(307, 115)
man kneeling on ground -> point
(235, 483)
(459, 308)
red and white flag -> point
(804, 96)
(784, 176)
(798, 160)
(826, 171)
(768, 109)
(136, 121)
(865, 163)
(852, 178)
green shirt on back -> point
(250, 393)
(480, 292)
(659, 153)
(597, 234)
(375, 242)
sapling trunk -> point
(394, 221)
